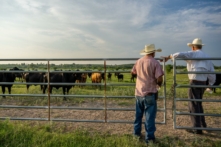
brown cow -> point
(83, 78)
(78, 76)
(96, 78)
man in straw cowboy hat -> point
(149, 77)
(196, 79)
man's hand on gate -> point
(165, 58)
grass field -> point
(37, 133)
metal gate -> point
(177, 99)
(105, 96)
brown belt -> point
(198, 81)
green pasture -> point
(95, 90)
(24, 135)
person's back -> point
(146, 75)
(198, 65)
(149, 74)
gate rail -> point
(176, 85)
(104, 96)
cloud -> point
(56, 28)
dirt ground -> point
(116, 128)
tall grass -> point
(21, 135)
(24, 135)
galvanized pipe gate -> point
(104, 96)
(177, 85)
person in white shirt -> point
(196, 79)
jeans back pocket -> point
(149, 100)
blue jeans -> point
(146, 105)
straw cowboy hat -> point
(196, 41)
(149, 49)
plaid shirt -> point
(148, 70)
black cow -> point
(217, 82)
(7, 77)
(34, 78)
(89, 73)
(19, 75)
(120, 77)
(116, 74)
(78, 75)
(133, 76)
(102, 77)
(109, 76)
(61, 78)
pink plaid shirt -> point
(148, 70)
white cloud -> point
(93, 29)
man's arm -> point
(211, 77)
(160, 80)
(178, 54)
(166, 58)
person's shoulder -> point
(141, 58)
(156, 61)
(203, 53)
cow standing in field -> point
(120, 77)
(96, 78)
(83, 78)
(7, 77)
(18, 75)
(103, 77)
(34, 78)
(217, 82)
(116, 74)
(109, 76)
(78, 77)
(133, 76)
(61, 78)
(89, 74)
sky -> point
(33, 29)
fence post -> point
(105, 86)
(49, 98)
(174, 93)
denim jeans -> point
(145, 105)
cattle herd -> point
(60, 77)
(57, 77)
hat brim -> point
(142, 52)
(190, 44)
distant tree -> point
(216, 67)
(32, 66)
(168, 68)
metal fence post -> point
(174, 93)
(105, 94)
(49, 98)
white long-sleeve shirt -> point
(198, 65)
